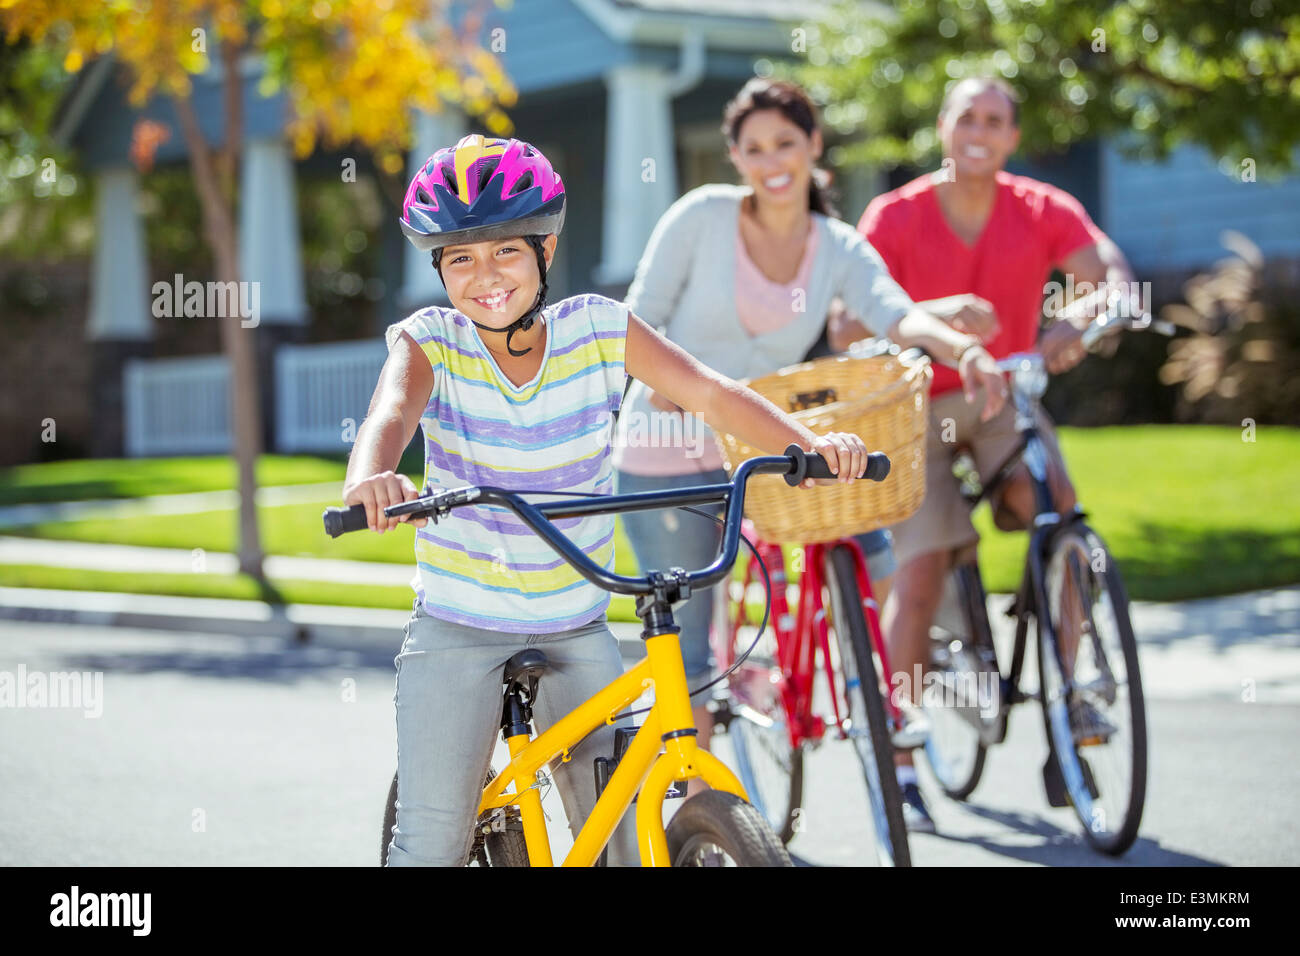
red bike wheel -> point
(768, 763)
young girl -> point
(513, 393)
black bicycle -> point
(1089, 683)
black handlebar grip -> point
(342, 520)
(813, 465)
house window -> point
(702, 156)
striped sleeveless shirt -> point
(481, 566)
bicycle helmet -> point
(483, 189)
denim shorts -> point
(669, 538)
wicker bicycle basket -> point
(882, 398)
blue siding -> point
(104, 136)
(1075, 170)
(549, 43)
(1170, 215)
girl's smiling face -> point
(496, 281)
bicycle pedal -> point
(1054, 784)
(1088, 780)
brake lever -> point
(440, 505)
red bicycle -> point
(768, 711)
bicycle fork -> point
(683, 758)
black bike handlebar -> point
(796, 465)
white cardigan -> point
(685, 285)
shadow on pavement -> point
(1061, 847)
(291, 663)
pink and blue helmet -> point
(482, 189)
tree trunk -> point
(237, 341)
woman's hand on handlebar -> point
(378, 492)
(844, 452)
(978, 369)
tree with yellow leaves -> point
(351, 72)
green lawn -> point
(135, 477)
(1188, 511)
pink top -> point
(763, 306)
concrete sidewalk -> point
(1215, 647)
(122, 557)
(12, 516)
(328, 625)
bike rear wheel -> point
(868, 730)
(501, 847)
(1104, 775)
(758, 727)
(715, 828)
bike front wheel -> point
(867, 728)
(714, 828)
(769, 765)
(1091, 689)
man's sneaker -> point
(912, 729)
(1088, 725)
(915, 816)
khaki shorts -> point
(942, 523)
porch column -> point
(420, 283)
(270, 254)
(270, 247)
(120, 326)
(640, 166)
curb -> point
(324, 625)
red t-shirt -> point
(1032, 227)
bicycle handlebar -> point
(1098, 329)
(795, 465)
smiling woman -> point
(742, 277)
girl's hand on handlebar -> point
(844, 452)
(378, 492)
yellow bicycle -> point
(714, 827)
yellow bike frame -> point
(642, 767)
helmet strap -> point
(525, 321)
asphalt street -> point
(219, 750)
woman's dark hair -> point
(761, 93)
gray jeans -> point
(448, 700)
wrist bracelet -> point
(972, 343)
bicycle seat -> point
(527, 665)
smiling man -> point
(973, 245)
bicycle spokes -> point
(1091, 693)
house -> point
(625, 98)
